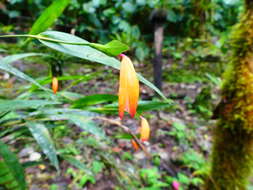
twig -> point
(169, 170)
(127, 130)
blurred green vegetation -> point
(128, 20)
(90, 151)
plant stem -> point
(40, 37)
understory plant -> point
(38, 112)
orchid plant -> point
(36, 122)
(128, 93)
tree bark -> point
(157, 62)
(232, 154)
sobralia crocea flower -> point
(145, 130)
(128, 87)
(54, 84)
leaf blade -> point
(87, 53)
(112, 48)
(5, 66)
(94, 99)
(13, 165)
(43, 138)
(12, 105)
(49, 15)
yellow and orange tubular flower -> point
(128, 87)
(145, 130)
(54, 84)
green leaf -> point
(125, 136)
(87, 53)
(12, 168)
(153, 105)
(72, 96)
(29, 164)
(49, 15)
(12, 105)
(152, 86)
(2, 50)
(94, 99)
(86, 124)
(142, 107)
(5, 66)
(43, 138)
(76, 163)
(80, 118)
(112, 48)
(76, 78)
(12, 58)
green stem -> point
(40, 37)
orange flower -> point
(135, 145)
(128, 87)
(145, 130)
(54, 84)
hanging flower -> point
(144, 130)
(54, 84)
(135, 145)
(128, 87)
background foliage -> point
(129, 21)
(69, 130)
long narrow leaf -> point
(5, 66)
(142, 107)
(49, 15)
(86, 52)
(76, 163)
(42, 136)
(112, 48)
(86, 124)
(12, 58)
(94, 99)
(13, 167)
(12, 105)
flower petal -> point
(54, 84)
(145, 130)
(123, 93)
(128, 88)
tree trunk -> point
(232, 154)
(157, 62)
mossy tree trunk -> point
(232, 155)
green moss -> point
(231, 159)
(232, 156)
(238, 80)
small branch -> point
(127, 130)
